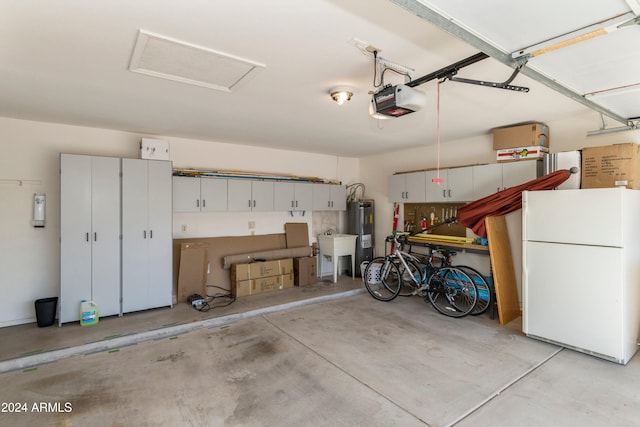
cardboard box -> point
(245, 288)
(524, 135)
(259, 269)
(521, 153)
(305, 271)
(297, 234)
(615, 165)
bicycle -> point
(449, 289)
(485, 293)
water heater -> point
(360, 223)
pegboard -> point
(415, 212)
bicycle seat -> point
(445, 253)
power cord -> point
(205, 304)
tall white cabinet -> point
(146, 234)
(89, 234)
(115, 234)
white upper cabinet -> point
(460, 184)
(463, 184)
(186, 194)
(213, 195)
(487, 179)
(210, 194)
(199, 194)
(329, 197)
(292, 196)
(246, 195)
(457, 185)
(408, 187)
(516, 173)
(491, 178)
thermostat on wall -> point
(154, 149)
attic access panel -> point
(603, 69)
(171, 59)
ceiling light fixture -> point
(341, 94)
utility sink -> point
(335, 246)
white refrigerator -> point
(581, 270)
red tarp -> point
(473, 214)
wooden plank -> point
(504, 276)
(441, 238)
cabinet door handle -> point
(204, 203)
(254, 203)
(249, 203)
(197, 203)
(95, 237)
(444, 193)
(449, 193)
(87, 237)
(144, 234)
(151, 234)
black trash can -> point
(46, 311)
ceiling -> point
(69, 62)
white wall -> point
(29, 257)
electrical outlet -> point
(252, 224)
(183, 228)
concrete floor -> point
(325, 355)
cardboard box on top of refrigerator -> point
(523, 135)
(615, 165)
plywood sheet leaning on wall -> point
(504, 277)
(192, 276)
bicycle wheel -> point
(452, 292)
(382, 279)
(485, 295)
(408, 285)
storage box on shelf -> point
(524, 135)
(533, 152)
